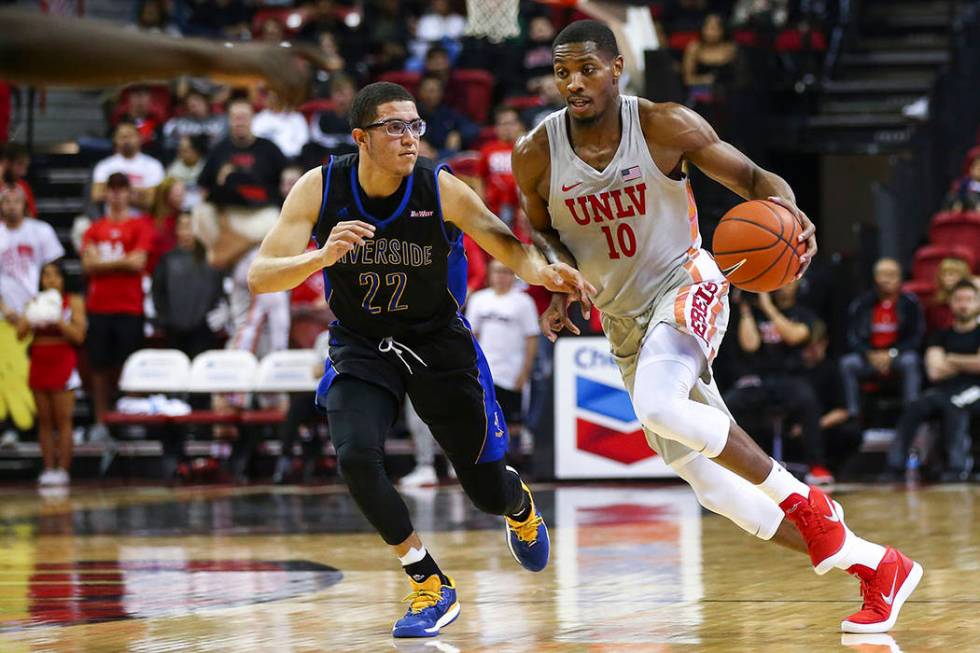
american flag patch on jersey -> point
(629, 174)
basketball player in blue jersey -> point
(389, 226)
(602, 182)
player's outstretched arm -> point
(676, 130)
(283, 262)
(463, 207)
(43, 49)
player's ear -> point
(617, 67)
(359, 135)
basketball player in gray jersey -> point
(602, 182)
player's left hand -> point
(563, 278)
(555, 317)
(808, 235)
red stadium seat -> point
(312, 107)
(160, 103)
(924, 289)
(746, 37)
(927, 259)
(952, 229)
(292, 19)
(476, 96)
(521, 102)
(407, 79)
(680, 40)
(794, 40)
(465, 164)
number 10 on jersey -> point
(623, 243)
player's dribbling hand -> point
(555, 317)
(344, 237)
(808, 235)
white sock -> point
(413, 556)
(780, 484)
(864, 553)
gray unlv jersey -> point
(630, 227)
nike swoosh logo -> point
(891, 597)
(833, 513)
(727, 271)
(565, 188)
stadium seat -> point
(794, 40)
(927, 259)
(292, 19)
(291, 370)
(465, 164)
(215, 372)
(678, 41)
(952, 229)
(522, 102)
(405, 78)
(924, 289)
(150, 371)
(310, 108)
(476, 96)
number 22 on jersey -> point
(394, 283)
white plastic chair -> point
(223, 370)
(290, 370)
(155, 370)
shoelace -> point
(528, 531)
(392, 345)
(421, 599)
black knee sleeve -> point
(492, 487)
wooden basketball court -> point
(634, 568)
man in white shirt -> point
(145, 173)
(26, 245)
(505, 322)
(286, 128)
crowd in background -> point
(198, 172)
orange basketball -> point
(756, 246)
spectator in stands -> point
(218, 19)
(949, 273)
(684, 15)
(57, 322)
(536, 56)
(144, 172)
(153, 17)
(706, 58)
(761, 15)
(185, 290)
(168, 202)
(283, 126)
(147, 117)
(772, 333)
(953, 366)
(447, 130)
(438, 64)
(550, 101)
(965, 194)
(388, 35)
(26, 244)
(187, 167)
(324, 16)
(15, 161)
(439, 24)
(272, 30)
(885, 328)
(841, 436)
(114, 255)
(197, 120)
(505, 322)
(496, 181)
(335, 66)
(240, 182)
(331, 131)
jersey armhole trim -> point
(442, 218)
(325, 170)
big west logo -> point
(700, 303)
(614, 204)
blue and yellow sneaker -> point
(432, 605)
(528, 541)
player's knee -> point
(357, 462)
(656, 410)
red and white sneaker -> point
(821, 522)
(819, 475)
(884, 590)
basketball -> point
(756, 246)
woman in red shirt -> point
(53, 377)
